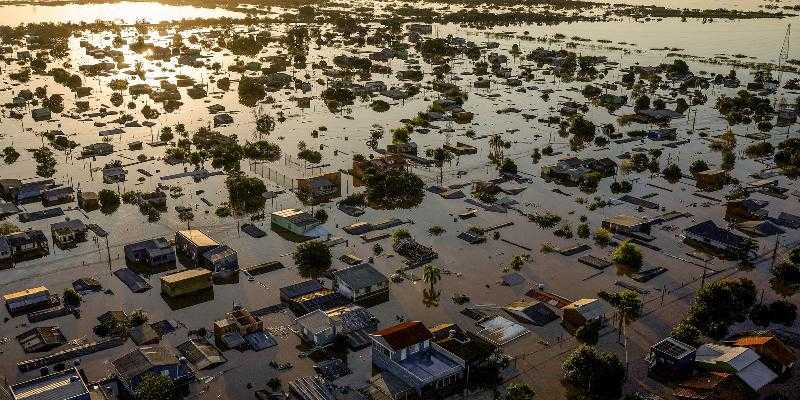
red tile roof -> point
(404, 335)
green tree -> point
(399, 235)
(72, 297)
(687, 333)
(155, 387)
(672, 173)
(594, 374)
(313, 258)
(627, 254)
(698, 166)
(589, 333)
(441, 156)
(109, 201)
(432, 274)
(602, 236)
(519, 391)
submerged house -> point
(157, 360)
(743, 362)
(153, 253)
(68, 233)
(362, 284)
(60, 385)
(27, 244)
(671, 359)
(573, 170)
(580, 312)
(708, 234)
(321, 187)
(410, 364)
(298, 222)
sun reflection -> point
(124, 12)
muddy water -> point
(472, 267)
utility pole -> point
(775, 251)
(108, 251)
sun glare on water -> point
(124, 12)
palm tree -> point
(432, 274)
(496, 144)
(440, 155)
(430, 297)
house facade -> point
(406, 355)
(361, 283)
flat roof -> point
(198, 237)
(625, 220)
(24, 293)
(185, 275)
(63, 385)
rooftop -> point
(187, 274)
(198, 238)
(63, 385)
(360, 276)
(404, 335)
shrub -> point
(627, 254)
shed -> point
(185, 282)
(25, 299)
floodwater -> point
(474, 270)
(121, 12)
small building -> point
(626, 224)
(68, 233)
(712, 386)
(297, 221)
(61, 385)
(744, 362)
(238, 323)
(362, 284)
(461, 149)
(531, 311)
(316, 328)
(193, 244)
(321, 187)
(306, 296)
(157, 360)
(467, 348)
(27, 299)
(222, 120)
(411, 365)
(97, 149)
(201, 353)
(671, 359)
(5, 250)
(711, 179)
(58, 196)
(114, 174)
(88, 200)
(580, 312)
(153, 253)
(185, 282)
(28, 244)
(43, 338)
(388, 162)
(708, 234)
(221, 260)
(40, 114)
(746, 210)
(773, 352)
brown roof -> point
(404, 335)
(770, 345)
